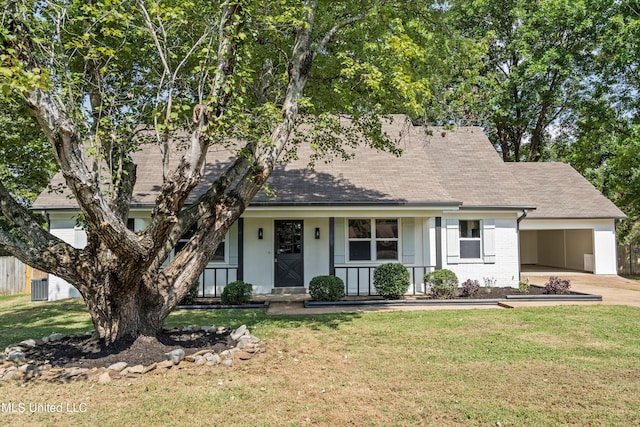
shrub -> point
(523, 286)
(556, 285)
(470, 287)
(391, 280)
(443, 283)
(236, 293)
(326, 288)
(192, 294)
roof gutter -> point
(523, 216)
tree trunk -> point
(123, 310)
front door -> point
(289, 269)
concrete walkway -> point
(615, 290)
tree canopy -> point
(94, 74)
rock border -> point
(15, 367)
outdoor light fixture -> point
(260, 234)
(317, 233)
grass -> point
(565, 365)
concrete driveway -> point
(615, 290)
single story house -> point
(448, 202)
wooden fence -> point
(15, 276)
(629, 260)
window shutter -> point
(489, 241)
(408, 241)
(453, 241)
(338, 246)
(232, 236)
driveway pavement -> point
(615, 290)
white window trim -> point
(487, 242)
(225, 242)
(372, 240)
(480, 239)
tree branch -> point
(39, 248)
(176, 190)
(348, 21)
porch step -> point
(294, 290)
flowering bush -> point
(556, 285)
(470, 287)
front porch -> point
(358, 282)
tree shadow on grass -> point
(39, 319)
(35, 320)
(252, 318)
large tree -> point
(98, 75)
(533, 70)
(602, 137)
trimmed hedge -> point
(326, 288)
(391, 280)
(237, 293)
(192, 294)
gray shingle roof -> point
(559, 191)
(459, 168)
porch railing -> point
(213, 280)
(358, 279)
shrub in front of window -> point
(556, 285)
(192, 294)
(470, 288)
(391, 280)
(443, 283)
(236, 293)
(326, 288)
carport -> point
(573, 226)
(570, 249)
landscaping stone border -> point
(575, 296)
(15, 367)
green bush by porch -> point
(443, 283)
(391, 280)
(237, 293)
(326, 288)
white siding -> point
(258, 254)
(605, 247)
(64, 227)
(502, 263)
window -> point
(470, 239)
(218, 256)
(367, 243)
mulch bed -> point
(88, 352)
(498, 292)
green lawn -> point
(565, 365)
